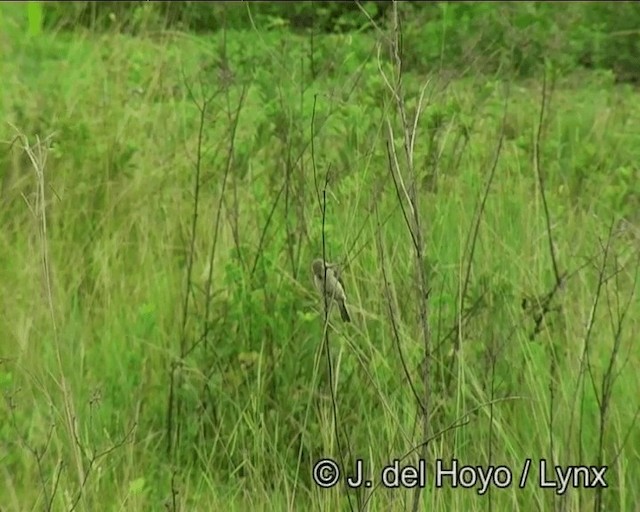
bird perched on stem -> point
(334, 287)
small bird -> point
(334, 286)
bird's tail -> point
(343, 311)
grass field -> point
(151, 357)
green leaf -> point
(34, 18)
(137, 486)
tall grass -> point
(172, 351)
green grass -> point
(85, 372)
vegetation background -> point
(169, 170)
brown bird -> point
(334, 287)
